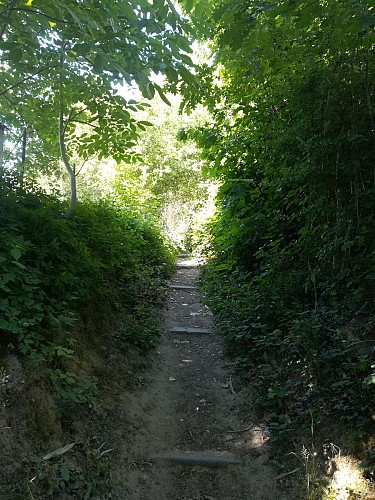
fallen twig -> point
(359, 342)
(241, 430)
(59, 451)
(231, 385)
(30, 493)
(280, 476)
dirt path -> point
(180, 434)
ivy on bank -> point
(53, 269)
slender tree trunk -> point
(2, 138)
(64, 156)
(369, 107)
(23, 158)
(68, 167)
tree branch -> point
(79, 112)
(24, 80)
(83, 164)
(86, 123)
(32, 11)
(15, 109)
(68, 120)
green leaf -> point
(98, 65)
(18, 264)
(189, 4)
(144, 122)
(65, 472)
(187, 76)
(367, 21)
(75, 17)
(199, 9)
(163, 97)
(368, 381)
(185, 45)
(15, 55)
(16, 253)
(82, 49)
(172, 74)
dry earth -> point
(187, 433)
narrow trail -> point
(187, 436)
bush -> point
(53, 268)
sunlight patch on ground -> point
(347, 482)
(247, 439)
(257, 438)
(190, 262)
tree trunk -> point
(2, 134)
(65, 160)
(64, 156)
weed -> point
(81, 475)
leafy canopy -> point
(71, 55)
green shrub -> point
(53, 268)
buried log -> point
(190, 330)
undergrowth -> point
(54, 269)
(304, 362)
(291, 248)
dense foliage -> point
(168, 178)
(291, 274)
(55, 272)
(64, 66)
(291, 250)
(81, 283)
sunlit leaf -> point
(162, 95)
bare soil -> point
(188, 431)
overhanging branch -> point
(24, 80)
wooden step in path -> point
(182, 287)
(190, 330)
